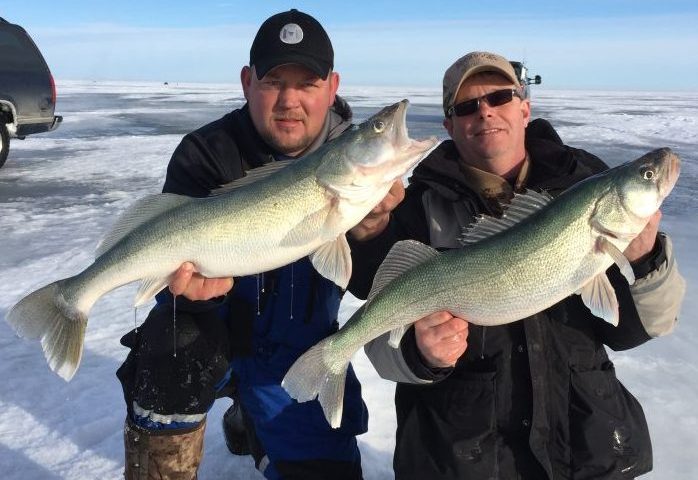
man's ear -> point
(448, 125)
(246, 78)
(334, 86)
(526, 111)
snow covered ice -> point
(60, 192)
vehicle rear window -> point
(17, 53)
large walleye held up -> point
(268, 219)
(539, 253)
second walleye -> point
(540, 252)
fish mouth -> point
(403, 152)
(406, 146)
(670, 167)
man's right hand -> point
(188, 282)
(377, 219)
(441, 339)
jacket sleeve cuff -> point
(654, 260)
(659, 294)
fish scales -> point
(270, 219)
(561, 248)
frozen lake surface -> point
(60, 192)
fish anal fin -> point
(148, 289)
(600, 297)
(396, 336)
(333, 261)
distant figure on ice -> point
(538, 398)
(238, 338)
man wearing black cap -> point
(240, 340)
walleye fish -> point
(268, 219)
(541, 251)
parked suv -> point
(27, 89)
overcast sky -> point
(592, 44)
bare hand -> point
(194, 286)
(441, 338)
(644, 242)
(377, 219)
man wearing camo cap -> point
(535, 399)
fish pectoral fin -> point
(599, 297)
(303, 233)
(144, 210)
(603, 245)
(333, 261)
(149, 288)
(396, 336)
(404, 255)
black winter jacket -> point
(535, 399)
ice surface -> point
(59, 192)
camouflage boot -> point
(163, 454)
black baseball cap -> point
(292, 37)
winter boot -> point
(162, 454)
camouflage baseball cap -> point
(469, 65)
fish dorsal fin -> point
(252, 176)
(138, 214)
(403, 256)
(600, 297)
(521, 207)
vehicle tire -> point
(4, 144)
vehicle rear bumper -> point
(32, 128)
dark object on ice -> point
(27, 89)
(522, 73)
(235, 431)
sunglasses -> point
(494, 99)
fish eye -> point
(647, 173)
(378, 126)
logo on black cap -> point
(291, 33)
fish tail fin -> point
(45, 315)
(316, 374)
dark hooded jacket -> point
(255, 333)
